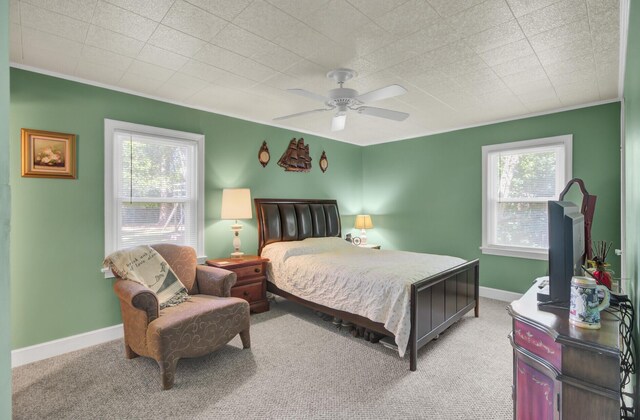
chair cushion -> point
(197, 326)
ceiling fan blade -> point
(338, 122)
(382, 93)
(307, 94)
(383, 113)
(301, 113)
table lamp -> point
(363, 222)
(236, 204)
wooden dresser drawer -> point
(555, 363)
(251, 292)
(250, 271)
(538, 343)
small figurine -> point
(601, 275)
(601, 250)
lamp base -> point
(363, 237)
(236, 228)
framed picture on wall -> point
(46, 154)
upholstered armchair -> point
(209, 319)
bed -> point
(301, 237)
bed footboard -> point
(439, 301)
(436, 303)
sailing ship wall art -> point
(296, 158)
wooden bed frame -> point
(437, 301)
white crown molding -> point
(516, 118)
(159, 99)
(64, 345)
(624, 39)
(497, 294)
(271, 124)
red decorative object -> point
(603, 277)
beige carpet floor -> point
(299, 367)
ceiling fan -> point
(343, 99)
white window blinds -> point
(518, 180)
(153, 187)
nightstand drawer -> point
(252, 282)
(251, 292)
(250, 271)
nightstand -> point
(370, 246)
(252, 281)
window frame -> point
(488, 212)
(111, 222)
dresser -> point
(252, 281)
(561, 371)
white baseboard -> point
(49, 349)
(53, 348)
(498, 294)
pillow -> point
(144, 265)
(286, 249)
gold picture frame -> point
(47, 154)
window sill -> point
(530, 254)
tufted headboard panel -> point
(294, 220)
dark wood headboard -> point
(294, 220)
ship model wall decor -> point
(296, 158)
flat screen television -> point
(566, 250)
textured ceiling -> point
(464, 62)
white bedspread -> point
(372, 283)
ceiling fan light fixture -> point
(338, 121)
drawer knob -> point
(257, 270)
(245, 293)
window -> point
(154, 187)
(517, 181)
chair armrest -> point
(137, 297)
(215, 281)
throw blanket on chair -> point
(144, 265)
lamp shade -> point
(363, 221)
(236, 204)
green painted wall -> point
(5, 217)
(57, 241)
(632, 170)
(424, 194)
